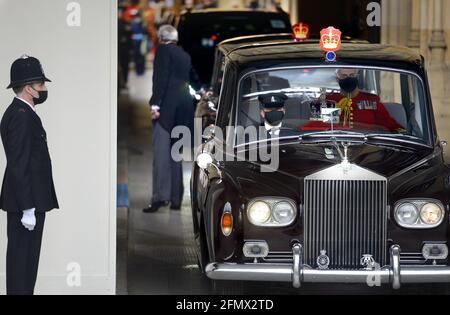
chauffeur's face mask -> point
(43, 95)
(274, 118)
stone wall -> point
(423, 25)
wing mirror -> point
(209, 132)
(204, 160)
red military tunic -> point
(366, 112)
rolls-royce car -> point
(324, 166)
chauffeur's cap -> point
(273, 100)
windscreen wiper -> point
(399, 139)
(334, 136)
(351, 137)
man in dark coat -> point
(172, 106)
(28, 191)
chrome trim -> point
(394, 275)
(250, 272)
(344, 214)
(219, 100)
(396, 271)
(342, 172)
(297, 252)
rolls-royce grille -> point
(344, 221)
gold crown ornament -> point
(330, 39)
(300, 31)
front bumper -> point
(297, 273)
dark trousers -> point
(167, 174)
(139, 58)
(22, 258)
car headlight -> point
(283, 212)
(419, 214)
(259, 213)
(272, 212)
(431, 214)
(407, 214)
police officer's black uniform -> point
(27, 182)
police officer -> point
(28, 191)
(358, 107)
(273, 112)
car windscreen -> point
(200, 33)
(323, 99)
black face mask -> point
(43, 95)
(274, 118)
(348, 84)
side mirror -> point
(212, 106)
(204, 160)
(208, 133)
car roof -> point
(230, 11)
(251, 41)
(231, 44)
(311, 50)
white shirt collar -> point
(273, 130)
(32, 107)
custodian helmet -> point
(26, 70)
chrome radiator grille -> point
(347, 219)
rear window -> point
(278, 24)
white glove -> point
(155, 112)
(29, 219)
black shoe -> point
(155, 207)
(175, 207)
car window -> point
(380, 101)
(278, 24)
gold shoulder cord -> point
(346, 105)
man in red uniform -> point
(360, 110)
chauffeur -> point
(28, 191)
(273, 112)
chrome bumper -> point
(297, 274)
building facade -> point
(422, 25)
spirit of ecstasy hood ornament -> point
(345, 164)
